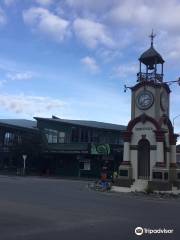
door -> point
(143, 159)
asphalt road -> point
(50, 209)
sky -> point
(72, 58)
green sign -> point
(100, 149)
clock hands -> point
(144, 100)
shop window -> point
(157, 175)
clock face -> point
(144, 100)
(164, 101)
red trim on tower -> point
(172, 136)
(143, 118)
(160, 136)
(173, 139)
(173, 165)
(127, 136)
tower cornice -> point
(151, 84)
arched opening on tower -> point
(143, 159)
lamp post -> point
(175, 118)
(24, 163)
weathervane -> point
(152, 36)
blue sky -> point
(71, 58)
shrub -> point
(149, 189)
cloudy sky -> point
(71, 58)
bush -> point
(149, 189)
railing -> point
(68, 147)
(149, 77)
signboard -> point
(87, 166)
(144, 129)
(100, 149)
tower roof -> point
(151, 55)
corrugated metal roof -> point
(86, 123)
(20, 123)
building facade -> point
(178, 154)
(61, 147)
(19, 137)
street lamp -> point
(175, 118)
(24, 163)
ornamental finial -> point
(152, 36)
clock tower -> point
(149, 141)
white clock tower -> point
(149, 141)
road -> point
(54, 209)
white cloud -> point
(9, 2)
(30, 105)
(88, 5)
(2, 82)
(90, 64)
(19, 76)
(129, 21)
(108, 55)
(40, 2)
(131, 12)
(92, 33)
(125, 70)
(171, 46)
(3, 18)
(144, 15)
(46, 22)
(44, 2)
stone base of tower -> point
(125, 175)
(163, 179)
(160, 185)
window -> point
(61, 137)
(178, 175)
(84, 135)
(19, 139)
(178, 158)
(157, 175)
(123, 173)
(110, 137)
(54, 136)
(75, 134)
(9, 138)
(51, 135)
(166, 176)
(95, 137)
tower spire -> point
(152, 36)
